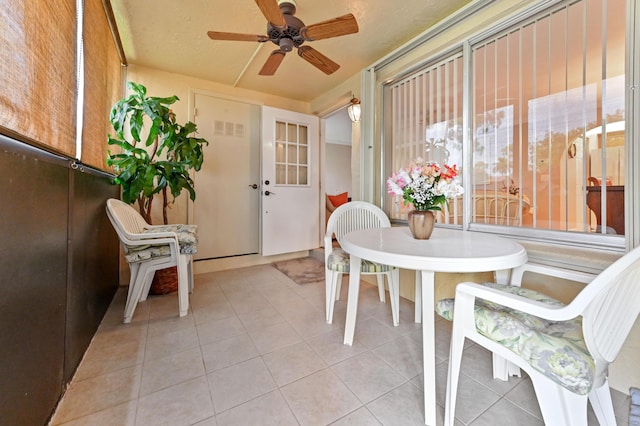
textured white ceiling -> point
(171, 35)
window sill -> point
(575, 258)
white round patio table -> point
(448, 250)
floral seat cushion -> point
(187, 239)
(339, 261)
(555, 349)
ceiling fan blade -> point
(273, 62)
(317, 59)
(219, 35)
(271, 11)
(335, 27)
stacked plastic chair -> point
(148, 248)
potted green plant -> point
(155, 157)
(156, 152)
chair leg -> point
(338, 286)
(133, 273)
(136, 285)
(381, 292)
(183, 284)
(190, 273)
(503, 369)
(453, 375)
(332, 285)
(559, 406)
(600, 399)
(148, 280)
(329, 297)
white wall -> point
(339, 128)
(337, 177)
(337, 169)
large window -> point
(546, 122)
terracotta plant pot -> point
(165, 281)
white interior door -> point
(227, 207)
(290, 181)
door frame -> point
(355, 134)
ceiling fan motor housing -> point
(292, 32)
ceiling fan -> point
(287, 32)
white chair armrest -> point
(142, 240)
(152, 236)
(467, 290)
(517, 273)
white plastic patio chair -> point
(565, 349)
(352, 216)
(149, 248)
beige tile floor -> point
(255, 350)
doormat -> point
(304, 270)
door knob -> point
(267, 193)
(254, 186)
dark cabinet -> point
(615, 206)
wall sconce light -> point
(354, 110)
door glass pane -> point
(303, 135)
(280, 152)
(291, 151)
(303, 154)
(292, 154)
(292, 175)
(292, 133)
(281, 131)
(281, 174)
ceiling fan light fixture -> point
(286, 44)
(354, 110)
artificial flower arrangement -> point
(425, 185)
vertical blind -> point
(427, 119)
(38, 72)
